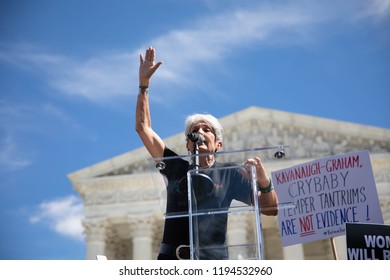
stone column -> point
(237, 235)
(113, 247)
(341, 247)
(95, 231)
(294, 252)
(141, 229)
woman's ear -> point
(218, 146)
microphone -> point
(196, 137)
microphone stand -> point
(201, 182)
(195, 160)
(202, 187)
(195, 138)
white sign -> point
(327, 193)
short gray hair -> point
(207, 118)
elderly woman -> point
(212, 228)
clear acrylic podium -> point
(219, 203)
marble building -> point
(123, 216)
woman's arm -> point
(143, 123)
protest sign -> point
(327, 193)
(368, 241)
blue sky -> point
(68, 72)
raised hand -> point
(147, 66)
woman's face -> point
(210, 144)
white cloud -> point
(378, 9)
(212, 39)
(11, 157)
(19, 121)
(209, 39)
(98, 79)
(63, 215)
(55, 112)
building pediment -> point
(307, 136)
